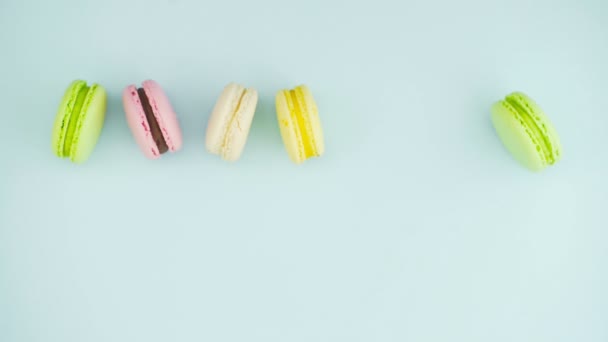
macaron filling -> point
(155, 130)
(73, 120)
(525, 114)
(298, 114)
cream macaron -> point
(230, 121)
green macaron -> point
(526, 131)
(79, 121)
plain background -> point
(415, 226)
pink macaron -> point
(152, 119)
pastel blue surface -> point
(415, 226)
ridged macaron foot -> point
(152, 119)
(526, 131)
(79, 121)
(299, 123)
(230, 121)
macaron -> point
(230, 121)
(300, 125)
(79, 121)
(526, 131)
(152, 119)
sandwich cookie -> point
(526, 131)
(230, 121)
(79, 121)
(299, 122)
(152, 119)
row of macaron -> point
(156, 129)
(520, 123)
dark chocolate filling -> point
(157, 134)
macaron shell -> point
(289, 132)
(90, 124)
(516, 139)
(238, 132)
(62, 117)
(136, 119)
(165, 115)
(542, 121)
(313, 119)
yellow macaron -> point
(298, 118)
